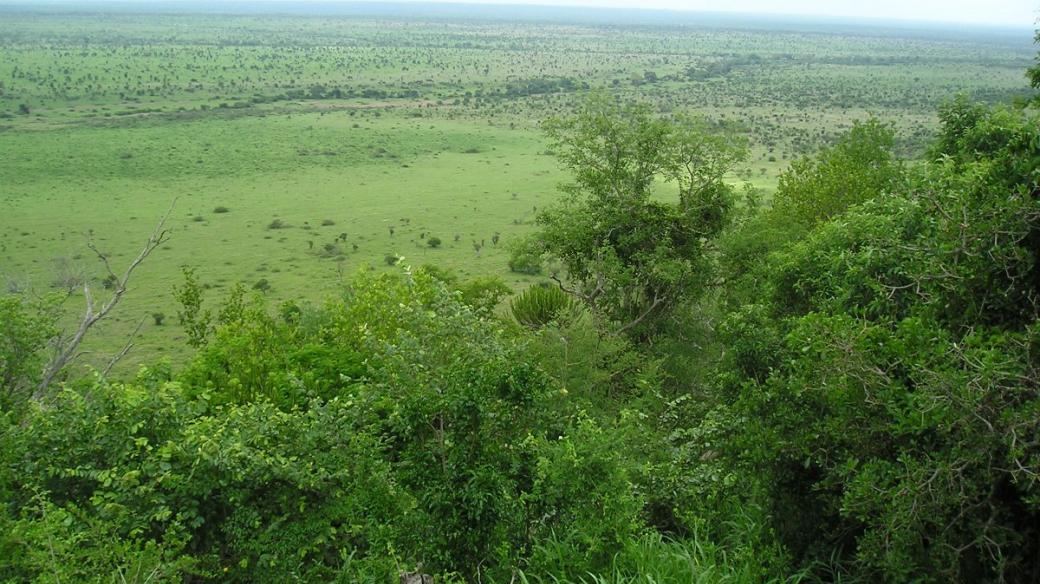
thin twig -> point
(126, 348)
(657, 302)
(66, 351)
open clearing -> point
(300, 148)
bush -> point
(875, 393)
(433, 242)
(277, 224)
(139, 476)
(256, 356)
(221, 209)
(525, 258)
(26, 328)
(539, 305)
(587, 507)
(484, 294)
(529, 264)
(859, 167)
(442, 274)
(262, 285)
(330, 250)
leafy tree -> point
(876, 389)
(194, 319)
(627, 254)
(525, 256)
(483, 294)
(26, 328)
(999, 142)
(859, 167)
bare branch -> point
(66, 352)
(126, 348)
(560, 283)
(104, 258)
(657, 302)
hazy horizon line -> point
(537, 5)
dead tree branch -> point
(126, 348)
(66, 352)
(657, 302)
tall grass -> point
(655, 559)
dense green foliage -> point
(26, 326)
(884, 378)
(871, 414)
(628, 255)
(391, 427)
(858, 168)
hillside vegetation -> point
(361, 136)
(840, 382)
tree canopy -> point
(627, 251)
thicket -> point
(842, 386)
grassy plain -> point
(341, 127)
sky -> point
(1004, 12)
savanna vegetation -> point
(672, 373)
(302, 146)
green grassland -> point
(360, 138)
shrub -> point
(221, 209)
(26, 327)
(137, 476)
(193, 318)
(859, 167)
(880, 390)
(525, 257)
(158, 318)
(330, 250)
(585, 503)
(484, 294)
(539, 305)
(526, 264)
(434, 242)
(69, 274)
(445, 275)
(277, 224)
(336, 444)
